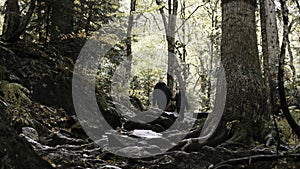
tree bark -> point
(12, 18)
(245, 100)
(129, 39)
(170, 37)
(173, 8)
(270, 49)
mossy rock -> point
(15, 94)
(18, 101)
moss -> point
(15, 94)
(17, 97)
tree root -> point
(252, 159)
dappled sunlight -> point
(147, 84)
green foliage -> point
(142, 85)
(293, 98)
(92, 14)
(286, 133)
(87, 16)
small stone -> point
(30, 133)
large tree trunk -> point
(245, 100)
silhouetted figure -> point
(161, 95)
(181, 103)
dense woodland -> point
(149, 84)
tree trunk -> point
(129, 39)
(270, 48)
(22, 26)
(173, 8)
(245, 100)
(283, 102)
(12, 18)
(61, 16)
(170, 37)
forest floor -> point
(36, 86)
